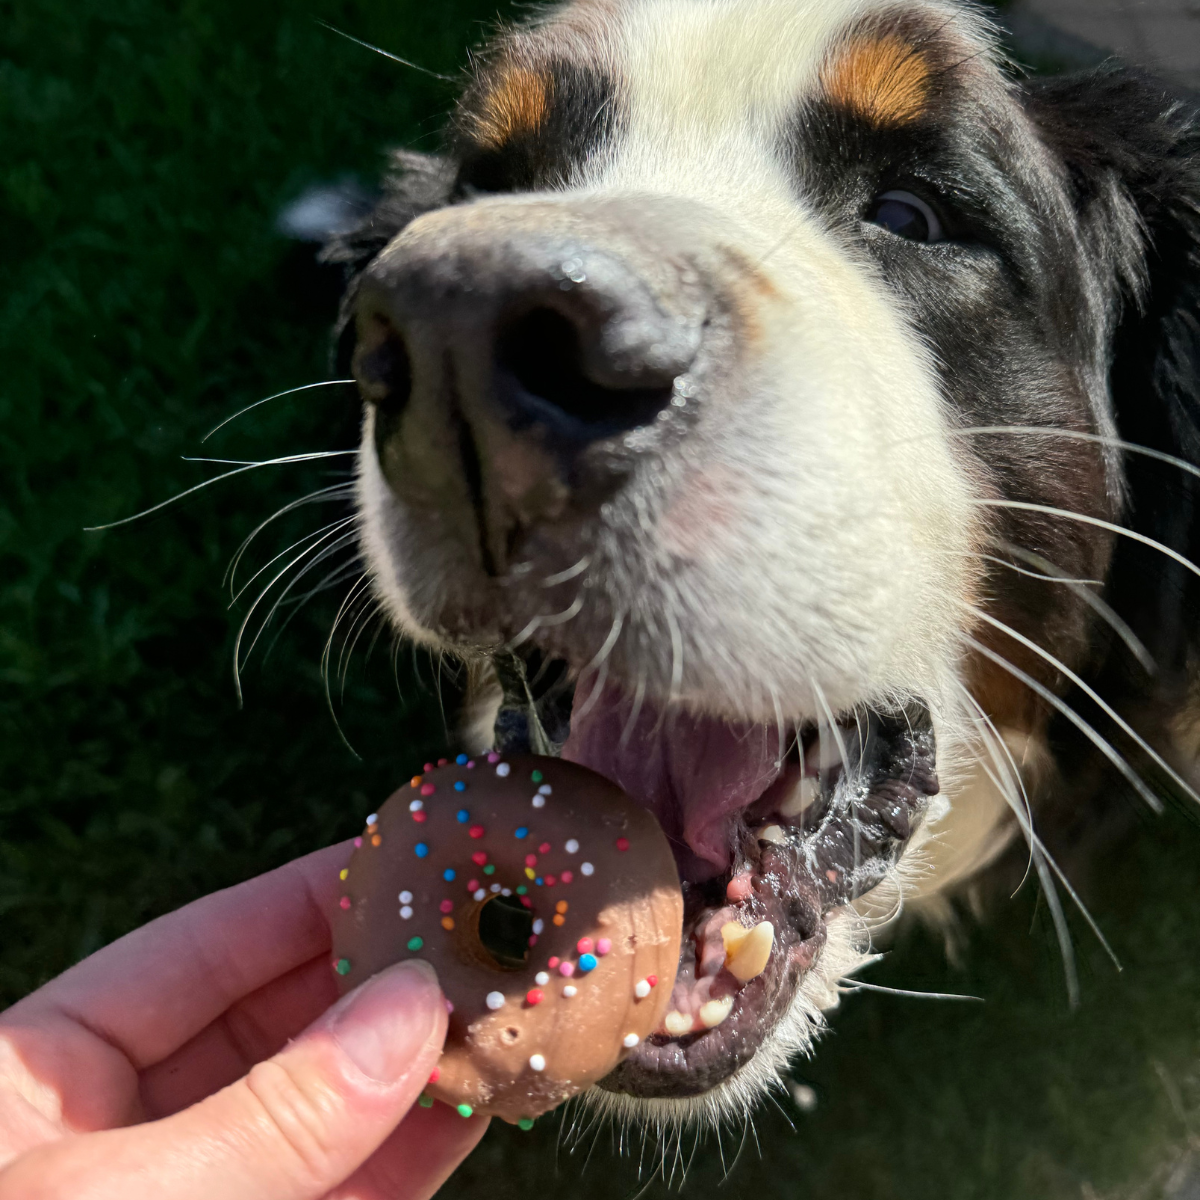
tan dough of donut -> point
(531, 1053)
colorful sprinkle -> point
(538, 802)
(533, 939)
(415, 781)
(566, 877)
(531, 860)
(525, 900)
(358, 843)
(419, 817)
(480, 893)
(494, 1000)
(435, 1074)
(479, 857)
(470, 766)
(472, 885)
(449, 1006)
(537, 777)
(477, 831)
(550, 880)
(525, 1123)
(462, 816)
(447, 906)
(459, 786)
(373, 819)
(427, 789)
(503, 769)
(493, 757)
(416, 805)
(603, 946)
(541, 978)
(421, 850)
(652, 980)
(405, 897)
(406, 912)
(587, 962)
(566, 969)
(530, 872)
(537, 1062)
(544, 848)
(343, 873)
(554, 961)
(570, 990)
(539, 925)
(522, 890)
(630, 1040)
(586, 868)
(545, 789)
(428, 767)
(641, 989)
(562, 907)
(425, 1100)
(377, 840)
(559, 919)
(521, 831)
(461, 760)
(447, 923)
(442, 762)
(534, 996)
(490, 869)
(495, 886)
(342, 966)
(464, 1110)
(572, 846)
(584, 945)
(448, 874)
(622, 844)
(415, 943)
(538, 880)
(344, 902)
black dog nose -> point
(536, 330)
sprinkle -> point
(344, 902)
(447, 923)
(550, 881)
(521, 831)
(490, 869)
(377, 840)
(572, 846)
(537, 777)
(442, 762)
(406, 912)
(545, 789)
(427, 789)
(537, 1062)
(544, 848)
(622, 844)
(652, 980)
(449, 1006)
(472, 885)
(494, 1000)
(539, 925)
(587, 962)
(415, 781)
(533, 939)
(570, 990)
(541, 978)
(428, 767)
(559, 919)
(538, 880)
(584, 945)
(464, 1110)
(566, 877)
(603, 946)
(405, 897)
(495, 886)
(462, 816)
(481, 893)
(506, 891)
(461, 760)
(358, 843)
(446, 906)
(529, 871)
(566, 969)
(435, 1074)
(538, 802)
(525, 900)
(419, 817)
(416, 943)
(522, 890)
(425, 1100)
(416, 805)
(525, 1123)
(587, 868)
(531, 860)
(459, 786)
(342, 966)
(343, 873)
(493, 757)
(373, 819)
(630, 1040)
(476, 831)
(421, 850)
(641, 989)
(448, 874)
(534, 996)
(479, 857)
(503, 769)
(562, 907)
(554, 961)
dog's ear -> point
(415, 184)
(1132, 152)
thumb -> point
(292, 1129)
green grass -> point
(143, 297)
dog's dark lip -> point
(809, 864)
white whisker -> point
(850, 986)
(278, 396)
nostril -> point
(541, 351)
(382, 367)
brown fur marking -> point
(516, 104)
(882, 79)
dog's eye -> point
(906, 216)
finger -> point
(152, 990)
(417, 1159)
(253, 1029)
(293, 1129)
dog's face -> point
(671, 394)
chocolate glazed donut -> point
(549, 904)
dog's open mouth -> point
(773, 828)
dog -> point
(787, 410)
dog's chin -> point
(769, 824)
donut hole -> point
(504, 929)
(511, 1036)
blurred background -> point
(146, 294)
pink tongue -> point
(692, 772)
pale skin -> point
(207, 1054)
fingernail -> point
(385, 1024)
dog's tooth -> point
(751, 953)
(733, 935)
(773, 834)
(714, 1012)
(678, 1023)
(802, 796)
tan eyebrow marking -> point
(516, 104)
(883, 79)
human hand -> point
(162, 1067)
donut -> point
(549, 904)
